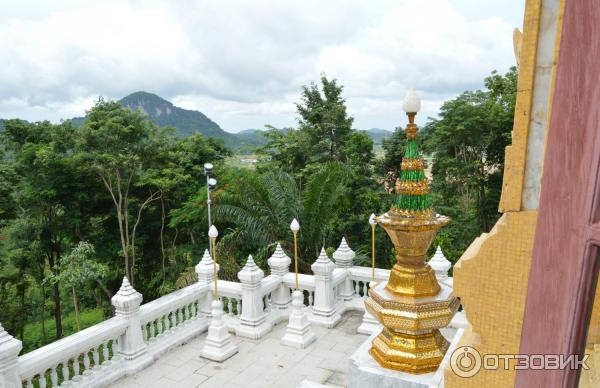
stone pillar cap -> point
(9, 345)
(439, 262)
(251, 273)
(279, 260)
(323, 264)
(127, 298)
(344, 255)
(205, 266)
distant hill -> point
(187, 122)
(378, 134)
(250, 138)
(163, 113)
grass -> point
(33, 338)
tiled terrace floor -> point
(259, 364)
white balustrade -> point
(343, 257)
(279, 264)
(138, 334)
(50, 365)
(166, 315)
(324, 302)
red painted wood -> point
(564, 266)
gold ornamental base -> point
(412, 306)
(410, 341)
(405, 352)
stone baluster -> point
(324, 304)
(218, 345)
(9, 356)
(253, 323)
(343, 259)
(132, 347)
(279, 263)
(205, 272)
(298, 332)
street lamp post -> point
(211, 183)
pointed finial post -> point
(295, 227)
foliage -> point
(81, 206)
(78, 267)
(467, 143)
(261, 206)
(33, 335)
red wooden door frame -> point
(564, 266)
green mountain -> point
(163, 113)
(378, 134)
(251, 138)
(187, 122)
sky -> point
(243, 63)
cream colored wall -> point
(538, 121)
(492, 275)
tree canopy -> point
(80, 207)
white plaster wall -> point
(538, 125)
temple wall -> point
(491, 276)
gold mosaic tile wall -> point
(491, 280)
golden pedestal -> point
(412, 306)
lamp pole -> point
(373, 223)
(211, 183)
(213, 233)
(295, 227)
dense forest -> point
(82, 206)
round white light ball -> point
(295, 226)
(412, 101)
(372, 220)
(213, 232)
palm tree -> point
(261, 207)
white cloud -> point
(242, 63)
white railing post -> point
(253, 322)
(324, 305)
(343, 259)
(205, 271)
(10, 348)
(131, 344)
(279, 263)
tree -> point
(388, 167)
(43, 191)
(324, 127)
(261, 206)
(322, 115)
(77, 269)
(119, 144)
(467, 143)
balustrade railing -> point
(171, 312)
(103, 353)
(75, 358)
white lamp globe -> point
(412, 101)
(213, 232)
(295, 226)
(372, 220)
